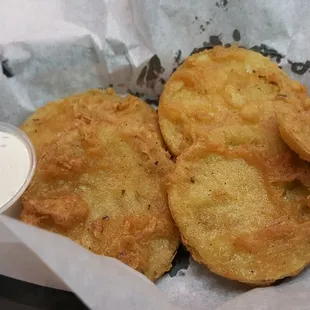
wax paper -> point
(51, 49)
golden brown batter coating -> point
(294, 124)
(100, 178)
(238, 194)
(235, 219)
(225, 96)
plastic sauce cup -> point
(17, 166)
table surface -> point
(18, 295)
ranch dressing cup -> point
(17, 166)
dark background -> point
(18, 295)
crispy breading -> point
(100, 178)
(64, 211)
(294, 124)
(239, 194)
(236, 219)
(225, 96)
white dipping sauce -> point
(15, 164)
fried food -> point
(238, 194)
(236, 219)
(100, 178)
(294, 124)
(225, 96)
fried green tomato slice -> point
(235, 219)
(294, 125)
(225, 96)
(100, 178)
